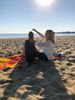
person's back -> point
(29, 45)
(29, 48)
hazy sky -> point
(20, 16)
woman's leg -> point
(31, 57)
(42, 56)
(39, 55)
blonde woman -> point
(48, 45)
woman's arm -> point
(38, 33)
(24, 48)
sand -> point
(42, 80)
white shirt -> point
(46, 47)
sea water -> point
(25, 35)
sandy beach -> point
(42, 80)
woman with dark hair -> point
(30, 50)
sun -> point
(44, 3)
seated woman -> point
(48, 45)
(30, 50)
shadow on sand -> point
(40, 81)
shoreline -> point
(38, 37)
(25, 37)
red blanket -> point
(10, 62)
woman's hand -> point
(38, 33)
(35, 30)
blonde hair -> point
(50, 35)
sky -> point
(20, 16)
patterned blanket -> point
(10, 62)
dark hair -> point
(30, 35)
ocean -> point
(22, 35)
(13, 35)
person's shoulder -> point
(26, 40)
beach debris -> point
(71, 59)
(8, 54)
(18, 52)
(1, 54)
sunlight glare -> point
(44, 3)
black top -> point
(29, 48)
